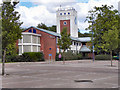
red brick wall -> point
(67, 25)
(47, 41)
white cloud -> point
(45, 12)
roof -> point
(85, 49)
(47, 31)
(82, 39)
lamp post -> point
(92, 41)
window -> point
(77, 44)
(60, 13)
(64, 13)
(65, 23)
(26, 48)
(74, 43)
(30, 30)
(68, 13)
(26, 38)
(34, 31)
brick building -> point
(36, 39)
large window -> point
(26, 38)
(30, 42)
(26, 48)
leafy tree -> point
(43, 26)
(105, 18)
(52, 28)
(64, 42)
(84, 35)
(11, 31)
(111, 40)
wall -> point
(47, 41)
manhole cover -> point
(83, 81)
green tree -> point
(43, 26)
(52, 28)
(104, 19)
(111, 40)
(11, 31)
(64, 42)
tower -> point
(67, 17)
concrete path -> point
(57, 75)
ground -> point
(58, 75)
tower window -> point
(68, 13)
(65, 23)
(60, 13)
(64, 13)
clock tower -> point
(67, 17)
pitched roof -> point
(47, 31)
(84, 48)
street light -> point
(92, 41)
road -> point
(57, 75)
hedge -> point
(69, 56)
(102, 57)
(26, 57)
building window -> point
(26, 38)
(68, 13)
(30, 30)
(65, 23)
(34, 31)
(77, 44)
(60, 13)
(64, 13)
(74, 43)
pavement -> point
(72, 74)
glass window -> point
(74, 43)
(60, 13)
(65, 23)
(20, 49)
(38, 48)
(64, 13)
(34, 48)
(30, 30)
(26, 38)
(68, 13)
(27, 48)
(20, 41)
(38, 40)
(34, 31)
(34, 39)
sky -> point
(34, 12)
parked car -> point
(116, 57)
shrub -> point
(69, 56)
(33, 56)
(26, 57)
(102, 57)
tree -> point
(84, 35)
(51, 28)
(104, 19)
(11, 31)
(64, 42)
(111, 40)
(43, 26)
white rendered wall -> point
(71, 17)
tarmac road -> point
(99, 74)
